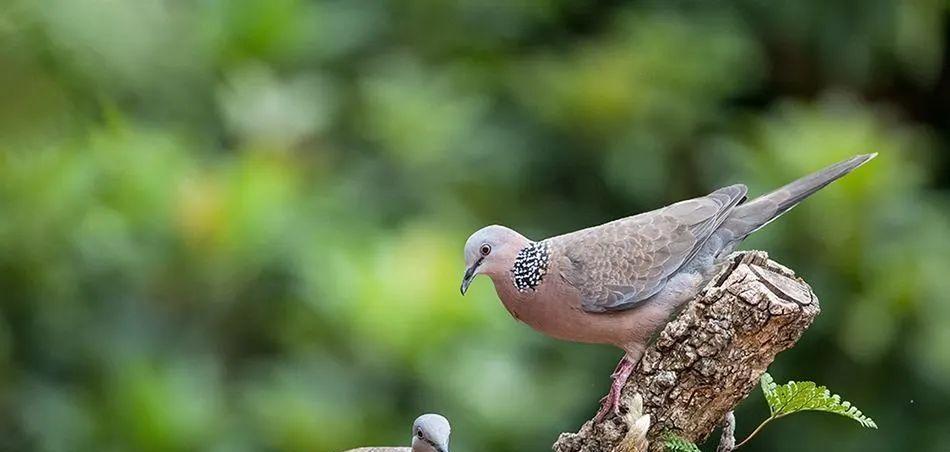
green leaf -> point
(675, 443)
(796, 396)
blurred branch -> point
(710, 357)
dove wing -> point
(616, 265)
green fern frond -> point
(675, 443)
(796, 396)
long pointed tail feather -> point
(753, 215)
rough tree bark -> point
(705, 361)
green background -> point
(238, 225)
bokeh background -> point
(237, 225)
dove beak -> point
(469, 276)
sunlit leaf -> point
(796, 396)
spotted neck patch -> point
(530, 266)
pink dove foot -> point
(611, 402)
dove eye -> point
(419, 433)
(486, 248)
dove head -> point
(491, 251)
(430, 433)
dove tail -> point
(755, 214)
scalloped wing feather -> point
(616, 265)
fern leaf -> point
(796, 396)
(768, 388)
(675, 443)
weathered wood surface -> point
(705, 361)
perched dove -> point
(430, 433)
(618, 283)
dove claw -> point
(610, 403)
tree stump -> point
(708, 359)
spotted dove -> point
(618, 283)
(430, 433)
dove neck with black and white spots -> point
(530, 266)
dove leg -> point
(611, 402)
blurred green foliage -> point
(237, 225)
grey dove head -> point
(430, 433)
(491, 251)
